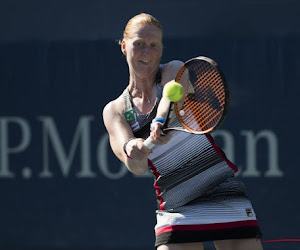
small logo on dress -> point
(130, 115)
(249, 212)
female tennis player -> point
(199, 197)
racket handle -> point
(148, 143)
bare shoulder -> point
(174, 65)
(112, 110)
(170, 70)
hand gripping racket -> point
(205, 105)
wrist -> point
(159, 119)
(125, 145)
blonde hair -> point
(140, 19)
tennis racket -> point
(206, 103)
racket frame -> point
(174, 105)
(226, 100)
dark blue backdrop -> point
(61, 186)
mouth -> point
(145, 62)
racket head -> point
(205, 106)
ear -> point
(123, 47)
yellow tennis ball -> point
(173, 91)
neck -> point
(144, 94)
(142, 88)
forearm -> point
(163, 108)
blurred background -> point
(60, 185)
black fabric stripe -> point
(179, 155)
(195, 167)
(143, 132)
(209, 235)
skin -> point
(143, 51)
(239, 244)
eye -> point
(140, 44)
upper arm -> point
(170, 71)
(118, 129)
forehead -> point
(146, 31)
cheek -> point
(159, 51)
(133, 51)
(130, 56)
(159, 54)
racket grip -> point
(148, 143)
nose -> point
(146, 50)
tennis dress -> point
(199, 199)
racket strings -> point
(204, 107)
